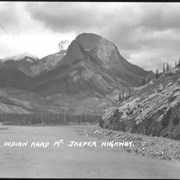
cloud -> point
(63, 17)
(16, 20)
(145, 33)
(152, 34)
(40, 44)
(9, 16)
(1, 57)
(162, 16)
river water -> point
(48, 159)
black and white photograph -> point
(89, 90)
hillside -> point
(12, 77)
(152, 109)
(23, 102)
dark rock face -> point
(154, 109)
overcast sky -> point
(146, 34)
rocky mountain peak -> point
(23, 56)
(89, 40)
(104, 49)
(95, 49)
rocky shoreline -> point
(155, 147)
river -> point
(46, 160)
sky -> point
(146, 34)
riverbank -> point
(155, 147)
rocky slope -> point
(47, 63)
(152, 109)
(12, 77)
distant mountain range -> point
(32, 65)
(20, 57)
(87, 77)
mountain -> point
(85, 78)
(32, 65)
(92, 66)
(19, 57)
(152, 109)
(90, 75)
(22, 62)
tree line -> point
(166, 68)
(124, 96)
(48, 119)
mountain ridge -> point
(91, 72)
(18, 57)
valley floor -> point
(42, 156)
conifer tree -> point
(122, 98)
(179, 62)
(164, 69)
(119, 96)
(175, 64)
(157, 73)
(144, 81)
(167, 67)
